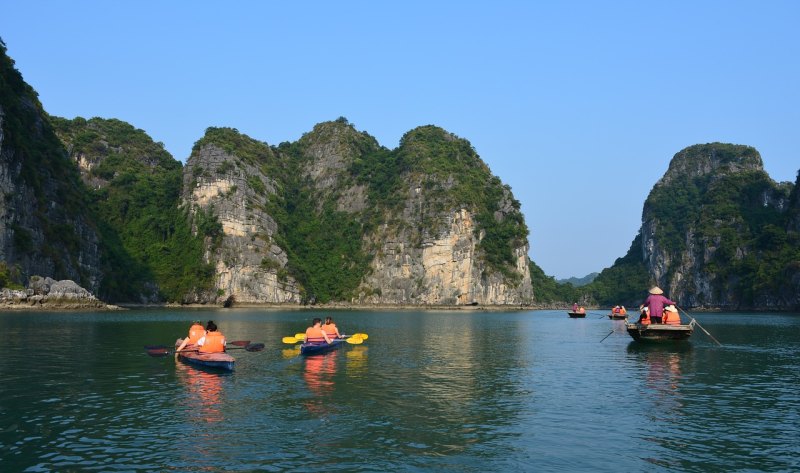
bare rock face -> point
(46, 293)
(443, 270)
(249, 264)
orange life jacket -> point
(645, 318)
(622, 311)
(330, 329)
(671, 318)
(214, 343)
(196, 332)
(314, 334)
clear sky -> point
(578, 106)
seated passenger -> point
(671, 315)
(196, 332)
(330, 328)
(315, 334)
(213, 341)
(644, 318)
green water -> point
(436, 391)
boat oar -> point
(160, 350)
(609, 334)
(701, 327)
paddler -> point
(196, 332)
(330, 328)
(315, 334)
(656, 302)
(213, 341)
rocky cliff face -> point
(713, 225)
(426, 247)
(45, 225)
(232, 187)
(337, 217)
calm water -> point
(437, 391)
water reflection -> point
(204, 393)
(318, 373)
(356, 361)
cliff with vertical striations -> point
(717, 232)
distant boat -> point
(576, 315)
(617, 316)
(659, 332)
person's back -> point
(671, 316)
(213, 341)
(315, 334)
(330, 328)
(644, 318)
(196, 332)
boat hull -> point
(576, 315)
(617, 317)
(319, 348)
(218, 361)
(659, 332)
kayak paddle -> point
(160, 350)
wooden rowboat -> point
(617, 316)
(221, 361)
(660, 332)
(317, 348)
(576, 315)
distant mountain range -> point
(578, 282)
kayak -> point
(222, 361)
(316, 348)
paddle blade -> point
(240, 343)
(289, 340)
(254, 347)
(158, 352)
(300, 336)
(355, 340)
(362, 336)
(155, 347)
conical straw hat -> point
(656, 290)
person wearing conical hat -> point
(656, 302)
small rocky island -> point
(47, 293)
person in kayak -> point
(656, 302)
(196, 332)
(213, 341)
(315, 334)
(330, 328)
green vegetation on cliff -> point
(146, 234)
(717, 208)
(59, 205)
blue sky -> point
(578, 106)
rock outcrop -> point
(46, 293)
(249, 266)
